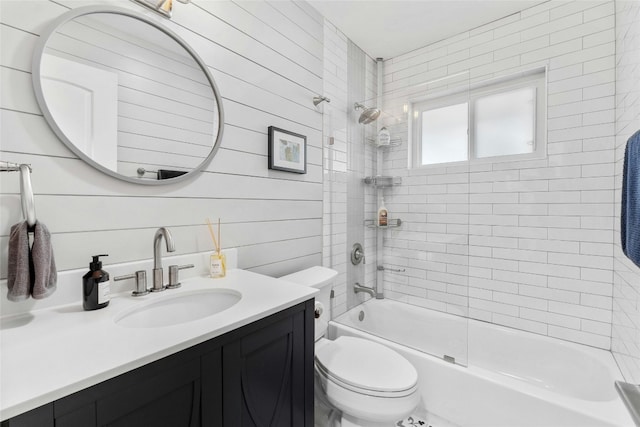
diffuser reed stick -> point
(219, 237)
(213, 236)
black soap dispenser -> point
(95, 286)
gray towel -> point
(31, 272)
(18, 275)
(45, 275)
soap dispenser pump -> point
(95, 286)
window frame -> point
(536, 79)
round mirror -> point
(126, 95)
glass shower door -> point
(423, 251)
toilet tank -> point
(321, 278)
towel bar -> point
(26, 195)
(142, 171)
(12, 167)
(26, 190)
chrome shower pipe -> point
(379, 284)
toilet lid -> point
(366, 365)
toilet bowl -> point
(369, 383)
(366, 381)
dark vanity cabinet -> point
(257, 375)
(263, 379)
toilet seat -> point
(366, 367)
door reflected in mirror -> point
(127, 95)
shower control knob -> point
(357, 254)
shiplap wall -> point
(266, 58)
(538, 254)
(626, 291)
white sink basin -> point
(168, 310)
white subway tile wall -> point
(533, 240)
(625, 337)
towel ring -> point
(26, 195)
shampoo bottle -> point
(384, 137)
(95, 286)
(383, 214)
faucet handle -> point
(174, 281)
(141, 282)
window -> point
(444, 134)
(500, 121)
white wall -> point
(626, 291)
(266, 58)
(539, 248)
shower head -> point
(368, 114)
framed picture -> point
(287, 151)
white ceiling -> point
(389, 28)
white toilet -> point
(369, 383)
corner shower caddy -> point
(391, 223)
(383, 181)
(395, 142)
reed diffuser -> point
(218, 262)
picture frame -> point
(287, 151)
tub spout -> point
(357, 287)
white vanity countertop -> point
(51, 353)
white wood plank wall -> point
(266, 58)
(625, 336)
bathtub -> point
(504, 377)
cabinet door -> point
(211, 377)
(39, 417)
(170, 398)
(265, 378)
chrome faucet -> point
(357, 287)
(158, 280)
